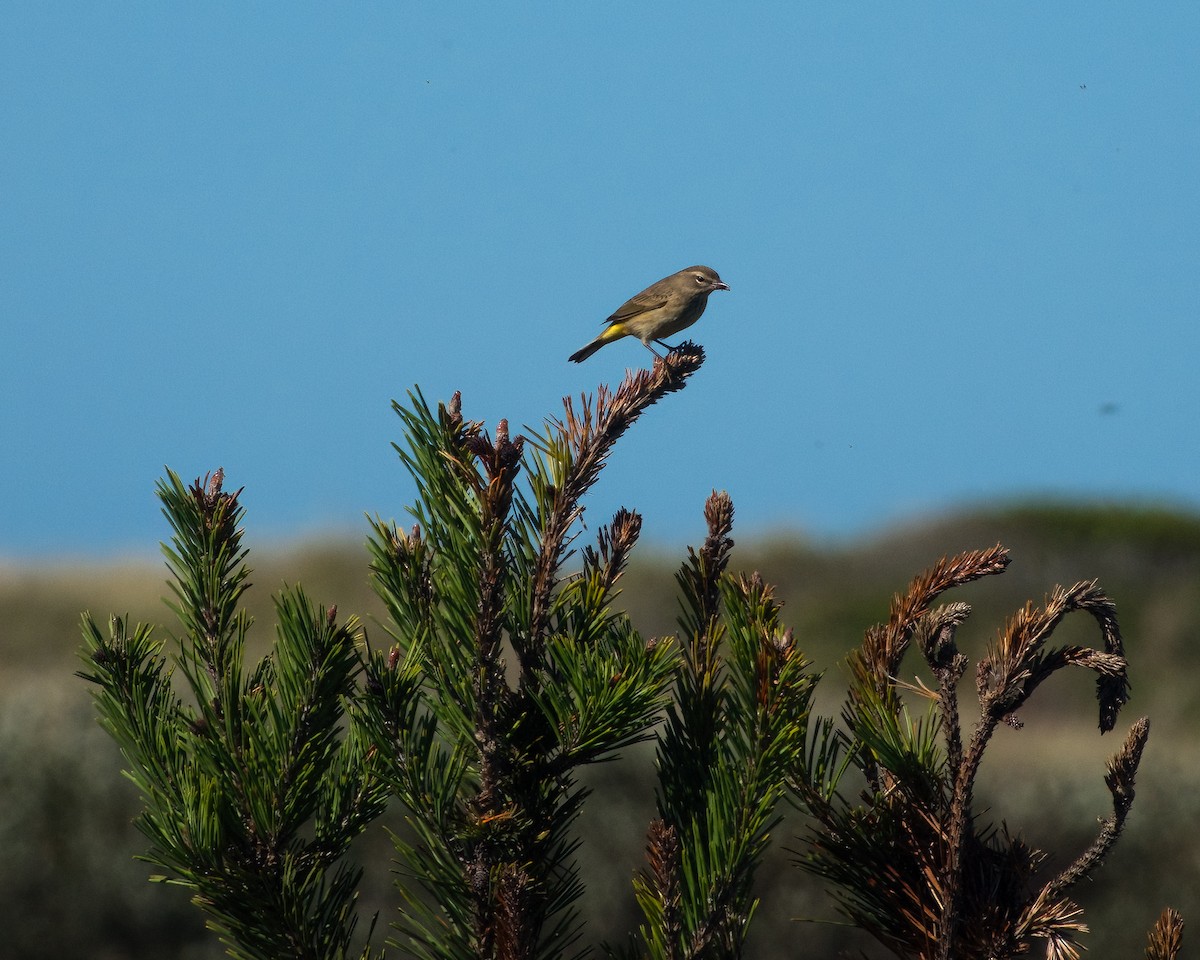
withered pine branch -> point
(514, 940)
(702, 580)
(1166, 939)
(874, 665)
(1008, 674)
(590, 435)
(614, 543)
(1120, 778)
(1016, 664)
(936, 639)
(942, 887)
(592, 438)
(661, 882)
(1057, 921)
(878, 659)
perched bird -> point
(661, 310)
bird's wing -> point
(644, 302)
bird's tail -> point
(580, 355)
(611, 333)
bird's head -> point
(704, 279)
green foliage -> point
(501, 677)
(734, 732)
(484, 756)
(252, 790)
(256, 785)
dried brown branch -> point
(714, 554)
(591, 437)
(944, 887)
(877, 661)
(614, 543)
(590, 434)
(875, 664)
(1015, 665)
(1166, 939)
(663, 880)
(1056, 920)
(1120, 778)
(936, 638)
(513, 937)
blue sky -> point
(963, 242)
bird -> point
(661, 310)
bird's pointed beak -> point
(720, 285)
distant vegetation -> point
(68, 885)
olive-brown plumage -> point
(661, 310)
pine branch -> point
(1122, 772)
(476, 576)
(582, 442)
(253, 795)
(884, 646)
(734, 734)
(912, 864)
(1166, 939)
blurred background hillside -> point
(69, 885)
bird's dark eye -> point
(699, 278)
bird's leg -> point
(666, 346)
(651, 349)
